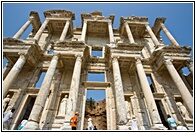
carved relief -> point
(6, 101)
(183, 111)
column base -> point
(31, 125)
(66, 126)
(158, 127)
(123, 127)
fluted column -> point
(84, 28)
(41, 29)
(111, 34)
(167, 33)
(24, 27)
(13, 73)
(130, 36)
(186, 96)
(33, 121)
(154, 39)
(74, 88)
(151, 105)
(119, 94)
(64, 33)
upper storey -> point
(133, 38)
(135, 24)
(96, 23)
(57, 20)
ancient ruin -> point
(131, 55)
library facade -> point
(143, 77)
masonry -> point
(132, 55)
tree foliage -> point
(90, 103)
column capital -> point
(115, 58)
(138, 60)
(23, 54)
(167, 61)
(146, 24)
(31, 18)
(57, 55)
(78, 57)
(110, 22)
(46, 20)
(162, 24)
(126, 22)
(85, 21)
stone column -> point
(167, 33)
(24, 27)
(64, 33)
(73, 93)
(151, 105)
(154, 39)
(130, 36)
(189, 64)
(34, 118)
(6, 69)
(84, 28)
(13, 73)
(111, 32)
(119, 94)
(186, 96)
(38, 34)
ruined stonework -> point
(131, 55)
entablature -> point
(96, 15)
(59, 14)
(12, 48)
(178, 54)
(156, 28)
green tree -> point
(90, 103)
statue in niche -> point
(63, 106)
(183, 111)
(128, 109)
(6, 102)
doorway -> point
(162, 113)
(27, 108)
(95, 108)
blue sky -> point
(179, 16)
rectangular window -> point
(97, 51)
(100, 77)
